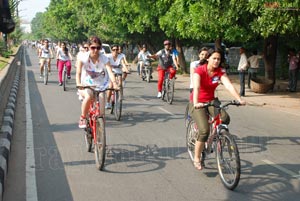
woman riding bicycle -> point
(45, 54)
(118, 67)
(64, 58)
(93, 69)
(206, 79)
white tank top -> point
(94, 74)
(45, 52)
(115, 63)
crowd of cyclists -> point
(95, 68)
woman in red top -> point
(206, 79)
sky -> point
(28, 8)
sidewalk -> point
(279, 99)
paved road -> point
(147, 158)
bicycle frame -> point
(94, 114)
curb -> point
(6, 131)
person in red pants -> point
(64, 58)
(165, 63)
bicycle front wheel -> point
(64, 79)
(164, 89)
(45, 74)
(228, 160)
(118, 104)
(170, 91)
(100, 144)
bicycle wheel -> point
(100, 144)
(118, 104)
(64, 79)
(187, 116)
(148, 75)
(45, 74)
(88, 138)
(228, 160)
(170, 91)
(163, 93)
(191, 134)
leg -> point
(42, 63)
(60, 70)
(161, 74)
(49, 65)
(242, 83)
(87, 95)
(249, 76)
(69, 66)
(172, 72)
(200, 117)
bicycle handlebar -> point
(92, 87)
(233, 102)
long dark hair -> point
(65, 50)
(203, 61)
(95, 39)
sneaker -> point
(159, 95)
(107, 106)
(69, 77)
(60, 84)
(82, 123)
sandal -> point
(198, 165)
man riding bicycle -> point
(142, 58)
(93, 69)
(165, 63)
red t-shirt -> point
(207, 84)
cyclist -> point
(165, 63)
(203, 53)
(206, 78)
(120, 52)
(118, 66)
(45, 54)
(93, 69)
(64, 58)
(142, 58)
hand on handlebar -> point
(199, 105)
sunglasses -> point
(167, 44)
(93, 47)
(86, 47)
(114, 49)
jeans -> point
(293, 76)
(242, 82)
(251, 74)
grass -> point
(4, 61)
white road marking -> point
(166, 111)
(287, 171)
(31, 190)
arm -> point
(78, 72)
(196, 87)
(111, 75)
(228, 85)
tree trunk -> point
(181, 57)
(270, 54)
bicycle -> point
(95, 135)
(147, 70)
(116, 98)
(168, 88)
(64, 77)
(45, 72)
(219, 141)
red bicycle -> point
(95, 135)
(219, 141)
